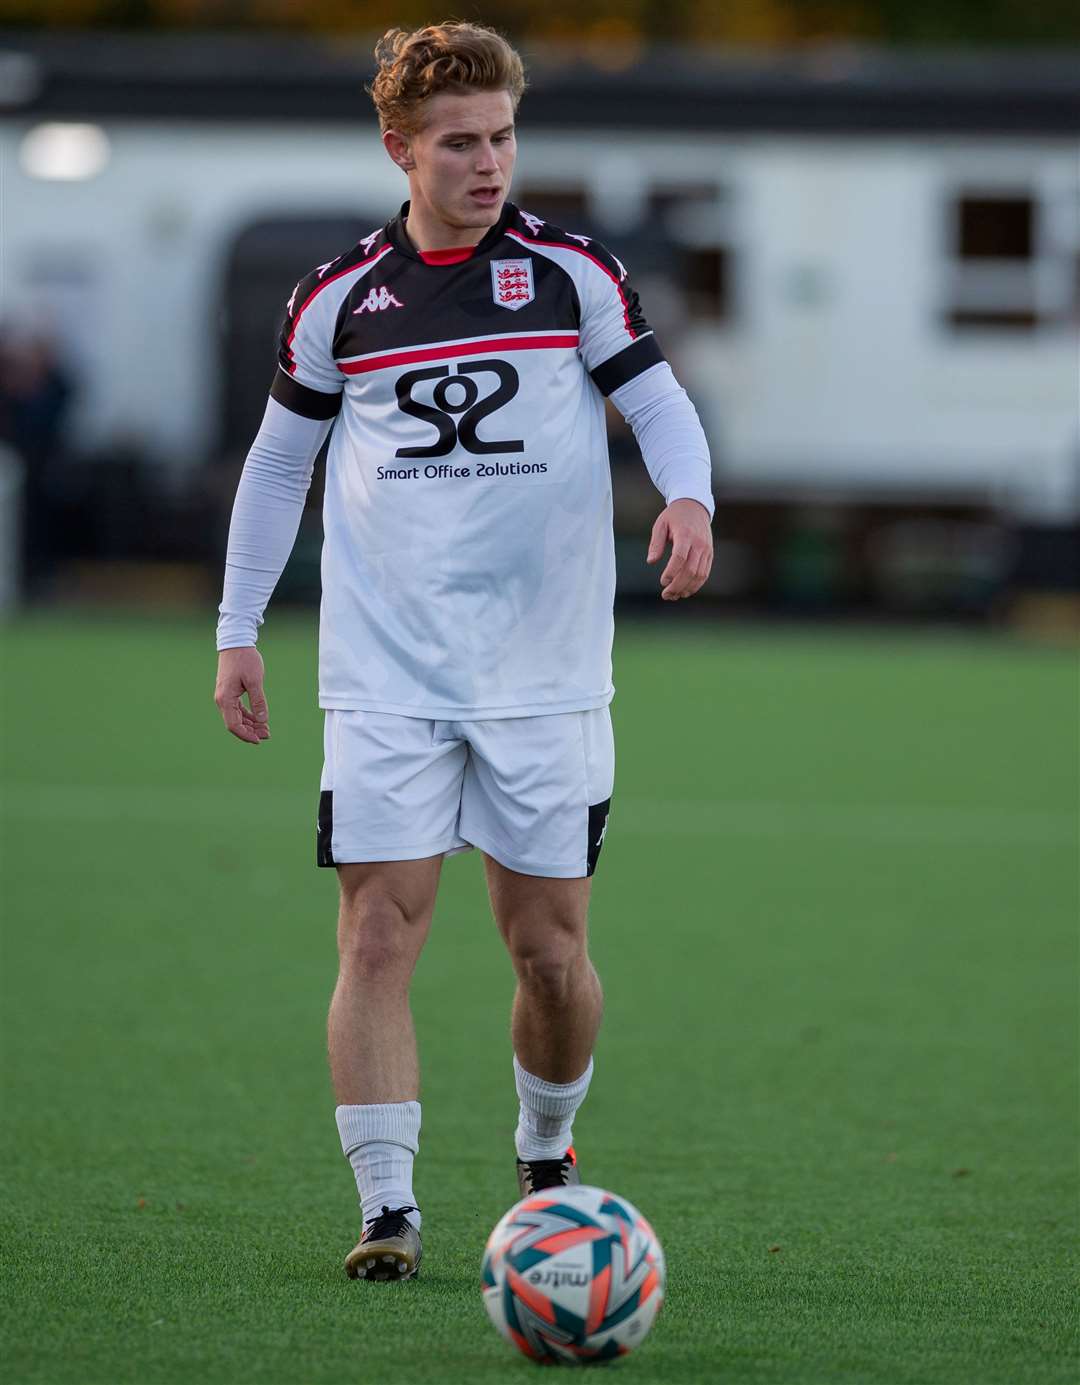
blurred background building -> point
(863, 259)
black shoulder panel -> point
(534, 228)
(310, 284)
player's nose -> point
(486, 161)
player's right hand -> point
(241, 671)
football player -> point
(458, 358)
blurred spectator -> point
(35, 391)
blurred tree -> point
(765, 23)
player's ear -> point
(399, 147)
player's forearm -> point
(265, 518)
(670, 435)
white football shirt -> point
(468, 563)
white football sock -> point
(380, 1143)
(546, 1113)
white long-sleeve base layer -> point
(479, 591)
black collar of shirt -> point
(396, 234)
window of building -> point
(696, 218)
(996, 228)
(1006, 271)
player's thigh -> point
(543, 919)
(537, 790)
(385, 912)
(390, 789)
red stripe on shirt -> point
(580, 250)
(318, 289)
(462, 348)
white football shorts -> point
(533, 792)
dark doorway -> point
(266, 260)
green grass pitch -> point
(835, 919)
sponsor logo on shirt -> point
(378, 299)
(483, 471)
(457, 397)
(512, 283)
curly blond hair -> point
(455, 57)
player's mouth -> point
(486, 197)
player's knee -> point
(371, 955)
(377, 937)
(549, 973)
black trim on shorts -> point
(324, 830)
(598, 816)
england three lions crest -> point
(512, 283)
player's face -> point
(463, 159)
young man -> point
(460, 355)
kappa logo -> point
(369, 241)
(603, 834)
(532, 222)
(378, 299)
(512, 283)
(319, 271)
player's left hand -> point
(685, 524)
